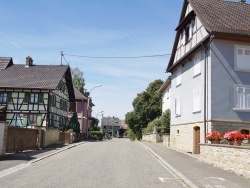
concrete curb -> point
(59, 151)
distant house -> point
(34, 95)
(80, 107)
(210, 66)
(165, 91)
(110, 126)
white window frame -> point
(242, 97)
(178, 76)
(197, 65)
(178, 106)
(196, 100)
(242, 63)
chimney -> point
(29, 61)
(242, 1)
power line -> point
(118, 57)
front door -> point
(196, 148)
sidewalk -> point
(193, 170)
(31, 156)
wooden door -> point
(196, 148)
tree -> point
(74, 124)
(77, 79)
(94, 124)
(147, 106)
(165, 121)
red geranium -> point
(214, 136)
(234, 135)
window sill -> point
(196, 112)
(241, 110)
(177, 115)
(241, 70)
(178, 85)
(196, 75)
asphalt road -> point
(119, 163)
(114, 163)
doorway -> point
(196, 147)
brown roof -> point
(218, 17)
(5, 62)
(221, 16)
(36, 77)
(123, 124)
(79, 95)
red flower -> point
(214, 136)
(234, 135)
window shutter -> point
(178, 106)
(26, 97)
(40, 98)
(9, 97)
(52, 121)
(196, 100)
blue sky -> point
(42, 29)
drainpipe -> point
(206, 87)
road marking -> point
(163, 179)
(222, 179)
(174, 172)
(13, 169)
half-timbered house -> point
(210, 66)
(34, 95)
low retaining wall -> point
(166, 140)
(51, 137)
(154, 137)
(3, 137)
(231, 158)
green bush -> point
(131, 134)
(96, 135)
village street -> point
(118, 163)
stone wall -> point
(231, 158)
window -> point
(178, 76)
(52, 121)
(53, 100)
(40, 98)
(177, 106)
(187, 34)
(197, 100)
(34, 98)
(242, 58)
(3, 97)
(197, 65)
(62, 121)
(242, 94)
(63, 104)
(32, 118)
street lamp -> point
(88, 110)
(98, 114)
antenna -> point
(61, 56)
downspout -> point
(207, 47)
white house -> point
(210, 66)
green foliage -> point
(131, 134)
(74, 124)
(96, 135)
(166, 120)
(94, 124)
(77, 79)
(161, 123)
(147, 106)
